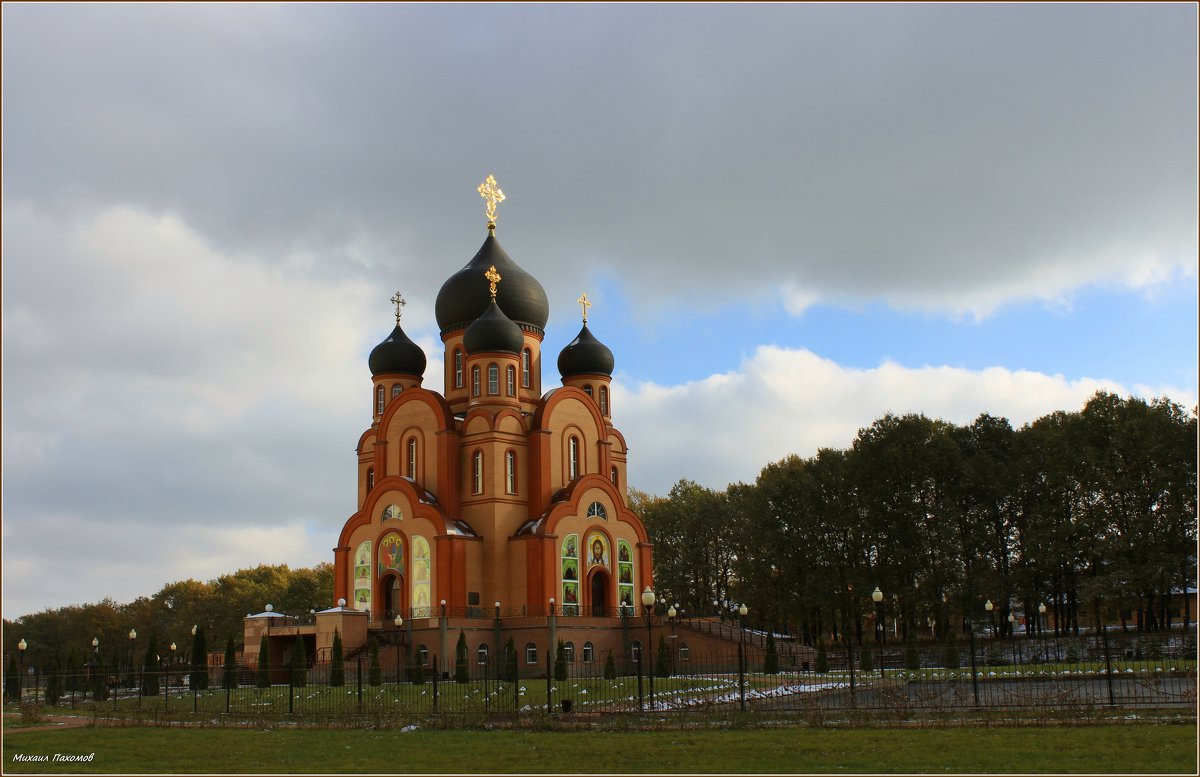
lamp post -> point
(991, 619)
(132, 637)
(399, 646)
(648, 611)
(877, 597)
(170, 670)
(21, 646)
(672, 613)
(1012, 631)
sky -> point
(791, 220)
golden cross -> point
(493, 278)
(399, 302)
(489, 191)
(583, 303)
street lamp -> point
(741, 611)
(132, 637)
(399, 646)
(991, 621)
(648, 611)
(1012, 631)
(877, 597)
(21, 646)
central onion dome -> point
(493, 331)
(397, 354)
(585, 355)
(463, 298)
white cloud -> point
(726, 427)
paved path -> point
(53, 722)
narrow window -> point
(458, 368)
(379, 400)
(510, 381)
(587, 389)
(530, 653)
(475, 380)
(412, 457)
(482, 655)
(477, 473)
(493, 380)
(573, 458)
(370, 478)
(635, 650)
(569, 652)
(396, 387)
(685, 652)
(423, 653)
(526, 357)
(588, 652)
(510, 472)
(604, 400)
(613, 475)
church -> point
(497, 508)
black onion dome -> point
(397, 354)
(493, 331)
(464, 296)
(585, 355)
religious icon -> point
(623, 551)
(570, 593)
(627, 597)
(570, 570)
(569, 547)
(599, 551)
(625, 573)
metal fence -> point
(941, 680)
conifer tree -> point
(510, 661)
(375, 674)
(866, 661)
(771, 659)
(199, 675)
(418, 669)
(337, 662)
(912, 654)
(12, 680)
(662, 664)
(53, 680)
(822, 661)
(299, 663)
(72, 679)
(610, 667)
(461, 673)
(229, 678)
(263, 680)
(951, 657)
(150, 667)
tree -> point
(150, 667)
(418, 669)
(560, 662)
(337, 663)
(299, 668)
(951, 657)
(771, 659)
(199, 676)
(12, 680)
(263, 680)
(912, 654)
(610, 667)
(462, 673)
(822, 661)
(510, 661)
(72, 679)
(866, 659)
(375, 673)
(53, 681)
(662, 663)
(229, 678)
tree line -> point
(217, 606)
(1092, 513)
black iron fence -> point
(934, 679)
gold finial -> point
(399, 302)
(493, 278)
(583, 303)
(489, 191)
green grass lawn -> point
(1124, 749)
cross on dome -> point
(493, 278)
(399, 302)
(490, 192)
(584, 304)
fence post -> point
(291, 685)
(1107, 665)
(435, 690)
(549, 677)
(228, 690)
(358, 674)
(192, 682)
(742, 676)
(639, 676)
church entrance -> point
(599, 594)
(393, 596)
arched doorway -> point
(598, 594)
(393, 596)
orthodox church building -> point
(497, 507)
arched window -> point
(481, 655)
(526, 358)
(604, 400)
(458, 368)
(379, 400)
(475, 380)
(412, 457)
(493, 380)
(635, 650)
(589, 652)
(572, 458)
(510, 472)
(370, 478)
(530, 653)
(596, 510)
(569, 652)
(587, 389)
(510, 381)
(477, 473)
(685, 652)
(613, 474)
(396, 388)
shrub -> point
(771, 659)
(229, 678)
(822, 661)
(510, 661)
(610, 667)
(299, 663)
(461, 672)
(264, 663)
(375, 674)
(662, 663)
(560, 662)
(337, 662)
(417, 675)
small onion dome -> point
(463, 298)
(397, 354)
(493, 331)
(585, 355)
